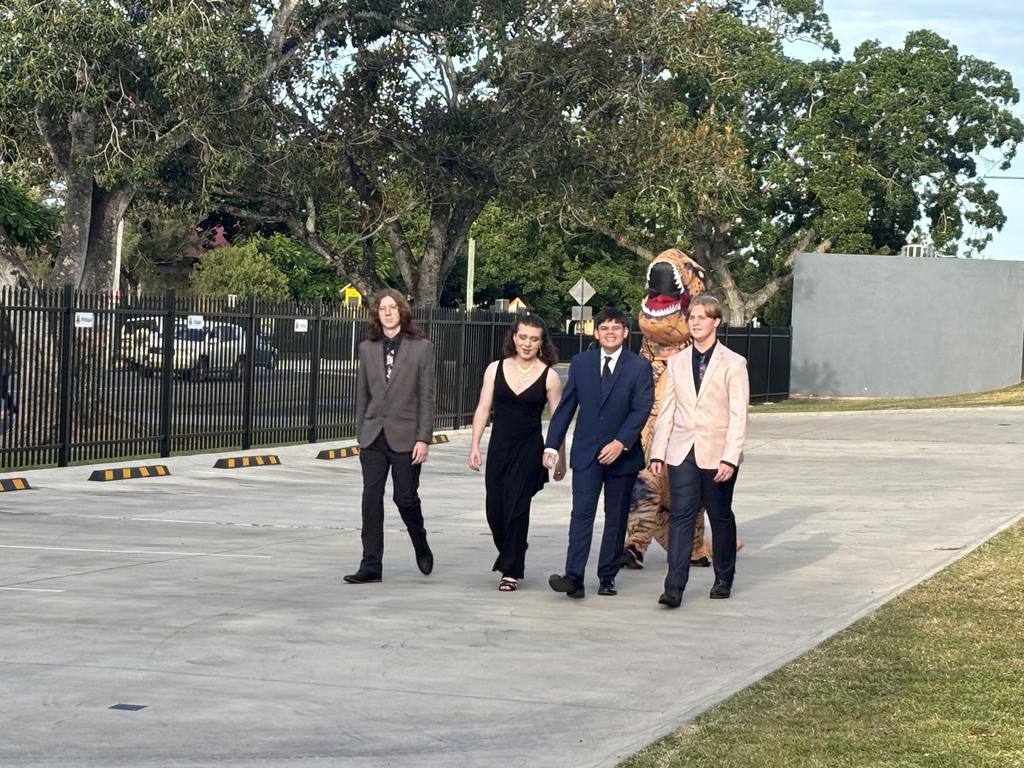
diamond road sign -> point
(582, 291)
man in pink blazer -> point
(699, 434)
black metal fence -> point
(767, 349)
(84, 378)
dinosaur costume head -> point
(673, 278)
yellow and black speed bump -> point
(438, 439)
(339, 453)
(14, 484)
(128, 473)
(236, 462)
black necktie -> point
(606, 375)
(701, 367)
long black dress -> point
(514, 470)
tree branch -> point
(57, 139)
(368, 192)
(619, 239)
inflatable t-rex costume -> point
(673, 278)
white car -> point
(215, 348)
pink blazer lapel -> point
(713, 365)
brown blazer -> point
(403, 407)
(713, 422)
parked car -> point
(135, 338)
(215, 348)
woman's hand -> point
(474, 459)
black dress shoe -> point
(673, 598)
(607, 587)
(701, 562)
(721, 590)
(570, 585)
(362, 577)
(424, 558)
(632, 558)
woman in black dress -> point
(518, 387)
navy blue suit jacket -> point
(620, 415)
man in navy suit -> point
(612, 388)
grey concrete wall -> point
(893, 326)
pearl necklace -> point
(524, 373)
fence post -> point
(771, 391)
(313, 417)
(167, 372)
(461, 368)
(249, 374)
(67, 330)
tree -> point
(521, 251)
(110, 100)
(25, 224)
(748, 156)
(241, 270)
(434, 113)
(307, 274)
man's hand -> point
(724, 473)
(657, 467)
(610, 452)
(419, 452)
(560, 468)
(549, 459)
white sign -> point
(582, 291)
(85, 320)
(582, 313)
(301, 325)
(195, 322)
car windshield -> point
(189, 334)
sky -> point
(992, 30)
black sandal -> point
(508, 584)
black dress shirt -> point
(696, 358)
(391, 344)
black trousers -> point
(692, 487)
(375, 460)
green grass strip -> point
(1009, 396)
(934, 678)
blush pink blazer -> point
(713, 422)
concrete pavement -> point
(213, 598)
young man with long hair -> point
(395, 422)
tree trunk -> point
(449, 227)
(108, 209)
(77, 203)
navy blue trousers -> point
(587, 485)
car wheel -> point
(201, 370)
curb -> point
(339, 453)
(14, 484)
(129, 473)
(237, 462)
